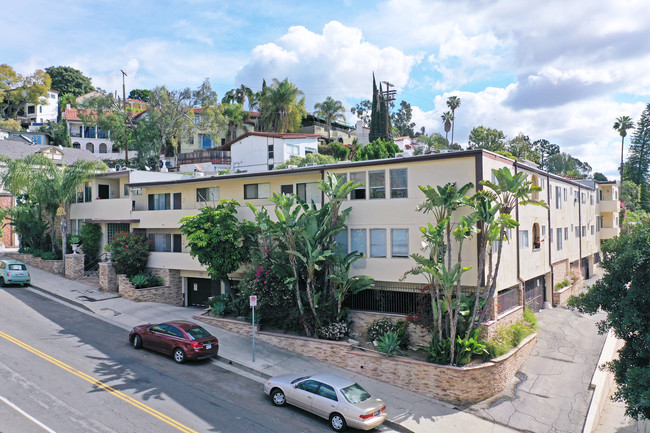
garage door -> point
(200, 289)
(534, 293)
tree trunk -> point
(64, 239)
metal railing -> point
(92, 267)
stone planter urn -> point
(74, 248)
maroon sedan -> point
(183, 340)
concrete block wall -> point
(161, 294)
(456, 385)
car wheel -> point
(278, 398)
(2, 282)
(337, 422)
(179, 355)
(137, 341)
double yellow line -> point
(101, 385)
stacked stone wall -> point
(161, 294)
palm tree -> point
(330, 109)
(235, 116)
(283, 106)
(621, 125)
(447, 118)
(239, 96)
(453, 102)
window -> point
(558, 197)
(286, 189)
(507, 299)
(207, 194)
(206, 142)
(593, 230)
(599, 223)
(566, 233)
(583, 198)
(584, 231)
(159, 201)
(543, 230)
(342, 239)
(257, 190)
(559, 239)
(359, 193)
(309, 386)
(591, 199)
(377, 184)
(565, 194)
(398, 183)
(399, 242)
(577, 231)
(114, 228)
(309, 150)
(308, 192)
(359, 241)
(177, 243)
(523, 239)
(327, 392)
(377, 242)
(269, 148)
(537, 241)
(160, 242)
(550, 235)
(292, 149)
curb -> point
(62, 298)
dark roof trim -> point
(97, 221)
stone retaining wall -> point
(362, 319)
(560, 297)
(51, 266)
(162, 294)
(74, 266)
(457, 385)
(107, 277)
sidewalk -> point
(408, 411)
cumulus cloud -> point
(337, 62)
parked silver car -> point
(330, 396)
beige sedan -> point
(336, 398)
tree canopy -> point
(331, 110)
(402, 120)
(283, 106)
(624, 294)
(17, 89)
(66, 79)
(141, 95)
(487, 138)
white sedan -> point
(330, 396)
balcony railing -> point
(207, 155)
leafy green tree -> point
(66, 99)
(402, 120)
(59, 133)
(17, 89)
(638, 161)
(283, 106)
(378, 116)
(453, 103)
(566, 165)
(545, 149)
(141, 95)
(521, 148)
(621, 126)
(310, 158)
(363, 111)
(624, 294)
(170, 112)
(218, 239)
(331, 110)
(600, 177)
(486, 138)
(630, 195)
(129, 253)
(66, 79)
(11, 124)
(378, 149)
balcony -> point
(106, 209)
(219, 157)
(169, 219)
(608, 232)
(609, 206)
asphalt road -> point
(65, 371)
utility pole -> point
(389, 96)
(126, 144)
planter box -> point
(161, 294)
(51, 266)
(456, 385)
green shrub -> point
(37, 253)
(219, 305)
(388, 344)
(495, 348)
(468, 347)
(519, 331)
(508, 337)
(129, 252)
(49, 255)
(91, 236)
(142, 281)
(74, 239)
(438, 350)
(562, 284)
(335, 331)
(529, 317)
(385, 325)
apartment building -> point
(383, 223)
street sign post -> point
(253, 304)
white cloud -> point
(337, 62)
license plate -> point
(376, 413)
(19, 274)
(208, 346)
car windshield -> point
(355, 394)
(197, 332)
(17, 267)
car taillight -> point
(216, 341)
(28, 274)
(366, 416)
(9, 274)
(197, 345)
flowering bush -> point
(383, 326)
(129, 253)
(335, 331)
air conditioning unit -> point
(311, 164)
(136, 191)
(400, 155)
(292, 166)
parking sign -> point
(253, 300)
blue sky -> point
(557, 70)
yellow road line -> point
(99, 384)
